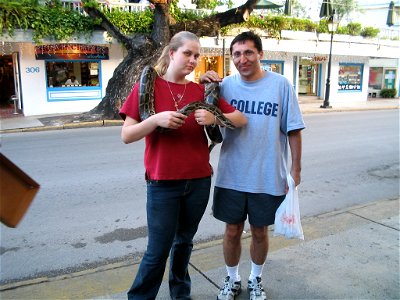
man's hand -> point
(210, 76)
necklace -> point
(179, 96)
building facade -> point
(72, 77)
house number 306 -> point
(32, 70)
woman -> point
(178, 172)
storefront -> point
(309, 69)
(383, 74)
(73, 71)
(58, 78)
(72, 77)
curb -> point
(101, 123)
(345, 109)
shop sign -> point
(319, 59)
(350, 87)
(71, 51)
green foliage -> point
(354, 28)
(212, 4)
(91, 4)
(131, 22)
(51, 21)
(322, 26)
(273, 24)
(388, 93)
(370, 32)
(207, 4)
(302, 25)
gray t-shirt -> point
(254, 158)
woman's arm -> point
(133, 130)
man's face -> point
(246, 58)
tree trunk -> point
(144, 50)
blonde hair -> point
(176, 41)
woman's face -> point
(185, 59)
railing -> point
(106, 4)
(122, 5)
(72, 5)
(389, 33)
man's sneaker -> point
(229, 290)
(256, 289)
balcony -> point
(105, 4)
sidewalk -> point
(347, 254)
(307, 104)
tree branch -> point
(210, 26)
(107, 25)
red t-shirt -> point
(174, 154)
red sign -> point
(319, 59)
(71, 51)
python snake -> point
(211, 98)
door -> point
(7, 86)
(390, 79)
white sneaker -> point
(230, 289)
(256, 289)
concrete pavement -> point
(347, 254)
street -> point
(91, 207)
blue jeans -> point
(174, 210)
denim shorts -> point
(233, 207)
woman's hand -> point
(204, 117)
(170, 119)
(210, 76)
(133, 130)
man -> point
(252, 169)
(72, 81)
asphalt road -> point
(91, 206)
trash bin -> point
(15, 100)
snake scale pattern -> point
(211, 98)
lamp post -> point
(332, 27)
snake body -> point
(211, 98)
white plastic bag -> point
(287, 217)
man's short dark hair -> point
(247, 36)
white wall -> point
(33, 83)
(33, 75)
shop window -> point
(375, 78)
(72, 73)
(272, 66)
(350, 77)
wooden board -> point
(17, 191)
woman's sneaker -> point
(230, 289)
(256, 289)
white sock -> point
(256, 271)
(233, 273)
